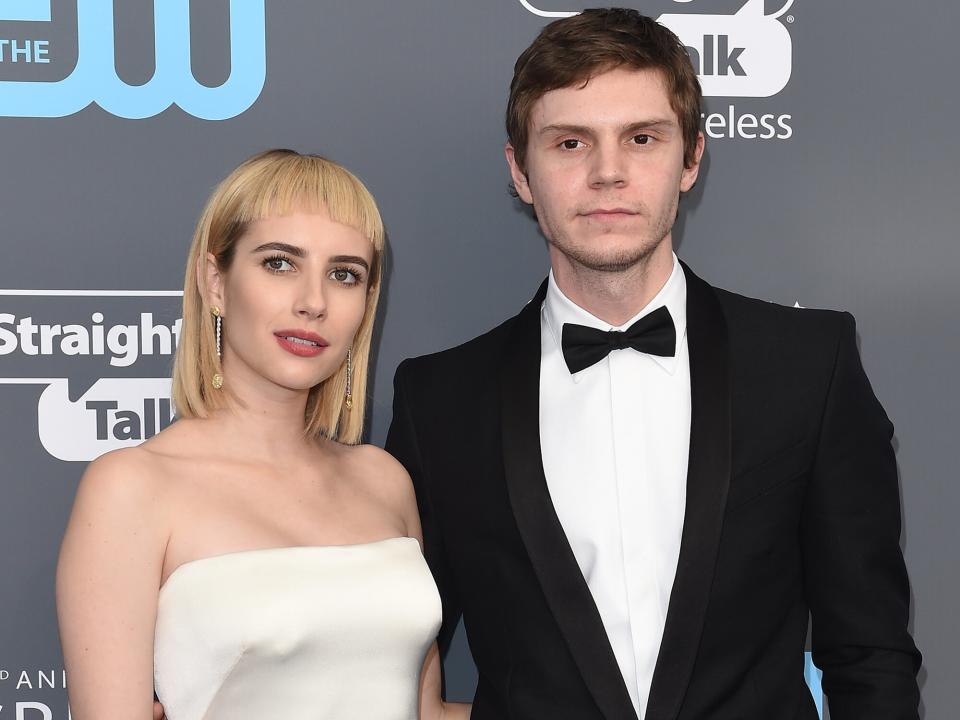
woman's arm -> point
(107, 586)
(432, 707)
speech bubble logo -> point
(103, 358)
(114, 413)
(746, 54)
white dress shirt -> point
(615, 439)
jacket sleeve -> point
(855, 577)
(404, 443)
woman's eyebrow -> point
(356, 259)
(281, 247)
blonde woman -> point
(252, 560)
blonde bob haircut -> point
(276, 182)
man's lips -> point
(615, 213)
(301, 342)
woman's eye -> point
(642, 139)
(345, 276)
(277, 264)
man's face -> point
(604, 169)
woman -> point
(252, 560)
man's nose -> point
(608, 165)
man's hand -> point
(158, 712)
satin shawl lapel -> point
(708, 478)
(553, 561)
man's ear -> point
(519, 176)
(689, 175)
(209, 270)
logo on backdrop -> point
(103, 359)
(94, 78)
(746, 53)
(33, 683)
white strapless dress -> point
(299, 633)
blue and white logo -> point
(101, 358)
(95, 80)
(746, 54)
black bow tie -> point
(584, 346)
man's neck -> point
(614, 297)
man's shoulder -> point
(792, 327)
(477, 354)
(740, 309)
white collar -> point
(559, 309)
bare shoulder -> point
(155, 472)
(118, 518)
(378, 468)
(384, 477)
(121, 476)
(121, 489)
(378, 461)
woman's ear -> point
(209, 269)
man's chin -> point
(614, 266)
(613, 259)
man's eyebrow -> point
(649, 124)
(281, 247)
(564, 129)
(356, 259)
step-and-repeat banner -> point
(829, 181)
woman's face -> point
(292, 300)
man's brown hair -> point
(572, 50)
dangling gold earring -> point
(349, 395)
(217, 380)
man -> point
(640, 489)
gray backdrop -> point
(850, 205)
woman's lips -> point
(300, 342)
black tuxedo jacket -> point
(792, 513)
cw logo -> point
(94, 79)
(746, 54)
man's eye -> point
(642, 139)
(570, 144)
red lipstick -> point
(301, 343)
